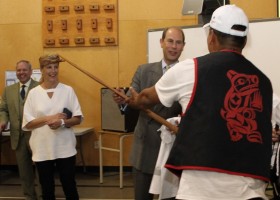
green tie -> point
(166, 68)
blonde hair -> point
(49, 59)
(46, 60)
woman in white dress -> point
(50, 110)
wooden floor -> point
(88, 184)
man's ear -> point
(213, 42)
(161, 42)
(212, 37)
(245, 42)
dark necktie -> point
(22, 92)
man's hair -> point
(175, 27)
(230, 40)
(26, 62)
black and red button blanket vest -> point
(227, 125)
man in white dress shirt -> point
(223, 146)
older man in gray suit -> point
(147, 139)
(11, 109)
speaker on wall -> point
(192, 7)
(112, 118)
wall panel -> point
(20, 12)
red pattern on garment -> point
(240, 105)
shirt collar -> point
(163, 64)
(26, 84)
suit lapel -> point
(17, 101)
(159, 73)
(32, 85)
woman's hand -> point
(55, 120)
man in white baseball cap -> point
(227, 18)
(222, 149)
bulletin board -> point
(79, 23)
(262, 48)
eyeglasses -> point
(170, 42)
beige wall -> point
(20, 38)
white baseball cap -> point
(225, 17)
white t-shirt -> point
(45, 143)
(177, 85)
(276, 146)
(276, 110)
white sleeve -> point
(276, 110)
(75, 105)
(177, 84)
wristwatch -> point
(62, 125)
